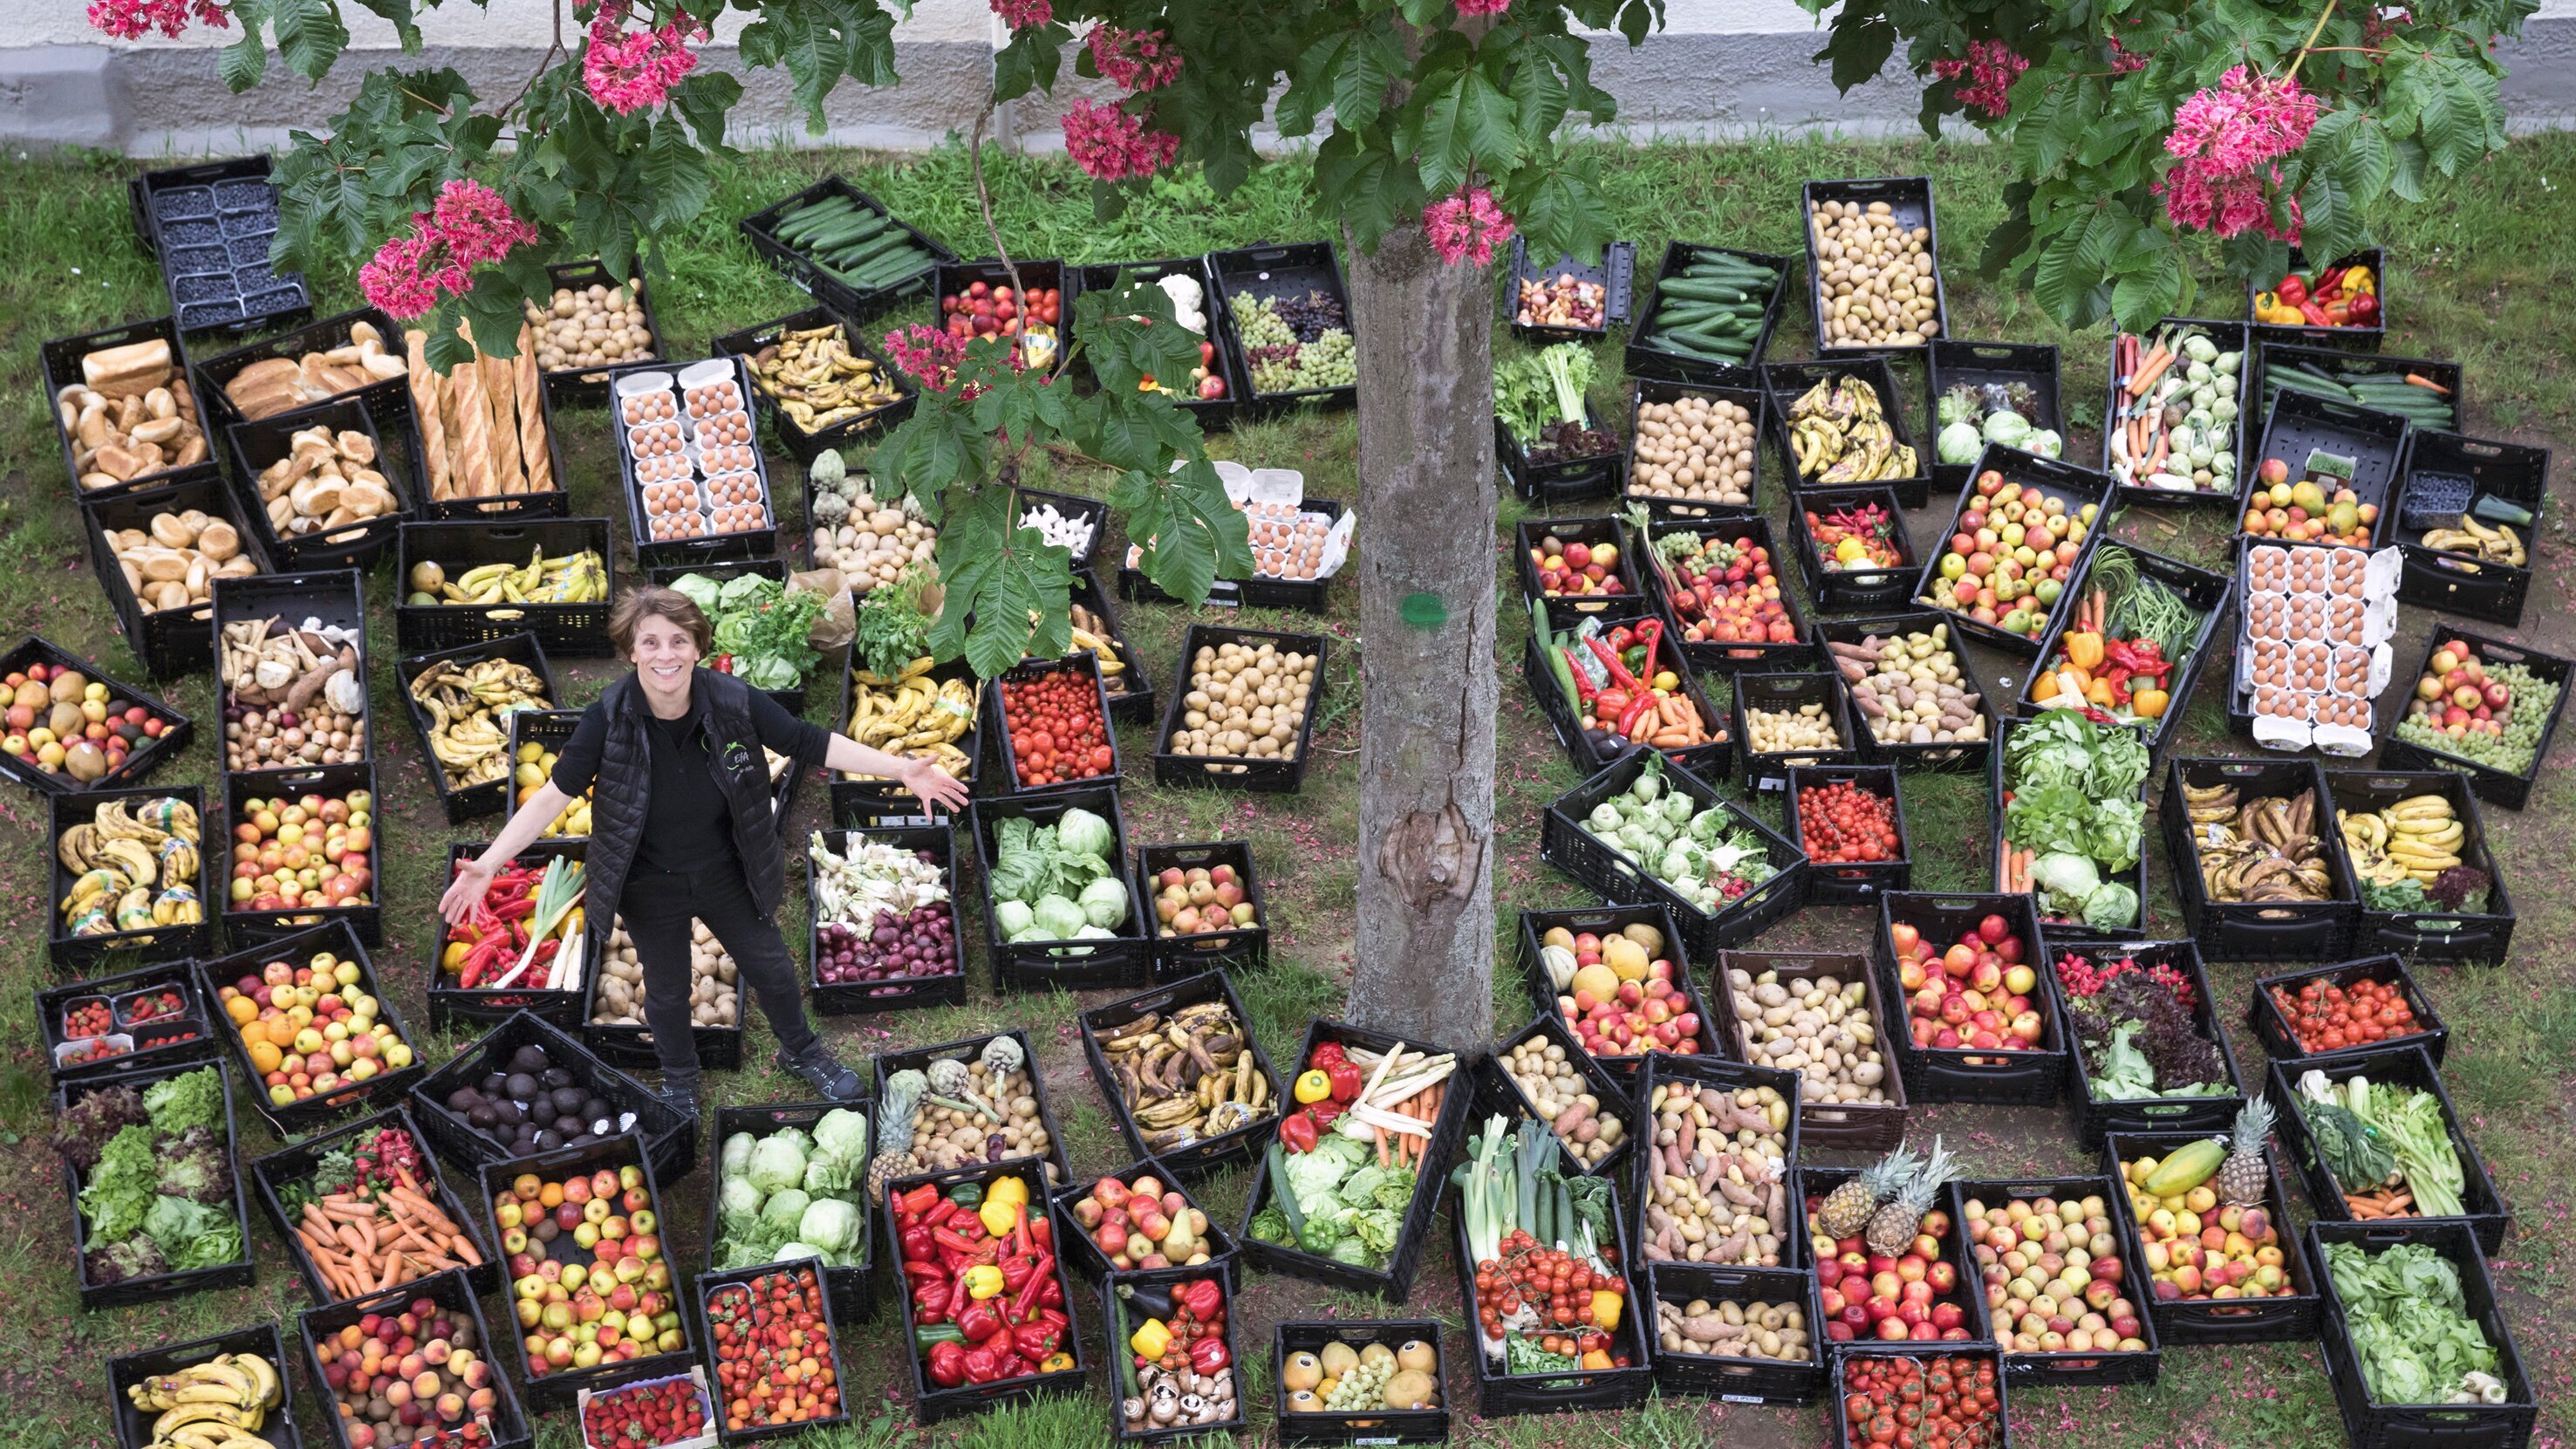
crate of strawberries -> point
(775, 1346)
(663, 1412)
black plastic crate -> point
(227, 199)
(1260, 591)
(1074, 1241)
(2227, 336)
(1649, 356)
(2077, 488)
(1226, 365)
(1809, 1187)
(450, 1005)
(1325, 1427)
(721, 570)
(2372, 1425)
(1610, 873)
(873, 803)
(2439, 406)
(2063, 931)
(1974, 364)
(1266, 775)
(1431, 1179)
(2096, 1115)
(1293, 271)
(2273, 1029)
(807, 444)
(162, 1286)
(2443, 579)
(2297, 424)
(1118, 1323)
(1134, 703)
(2280, 1318)
(1865, 586)
(333, 938)
(1188, 1157)
(295, 1164)
(2348, 339)
(920, 1058)
(2002, 1077)
(702, 1291)
(1872, 1127)
(62, 363)
(1732, 1378)
(160, 943)
(588, 387)
(1564, 480)
(1605, 922)
(1844, 882)
(168, 641)
(1532, 534)
(1071, 506)
(2484, 937)
(1082, 664)
(1125, 961)
(1237, 948)
(1615, 272)
(672, 1136)
(1592, 749)
(1746, 392)
(2207, 592)
(456, 547)
(552, 501)
(1845, 1436)
(953, 278)
(128, 1371)
(450, 1290)
(1497, 1094)
(1723, 1075)
(2268, 930)
(2496, 787)
(1909, 201)
(2483, 1210)
(853, 1290)
(1786, 382)
(630, 1046)
(1931, 755)
(118, 991)
(1500, 1393)
(751, 543)
(1775, 693)
(256, 446)
(386, 400)
(2069, 1368)
(627, 1149)
(490, 797)
(902, 993)
(335, 597)
(1731, 655)
(828, 287)
(931, 1404)
(144, 753)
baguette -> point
(501, 385)
(473, 433)
(532, 418)
(426, 387)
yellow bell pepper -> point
(1012, 1190)
(1056, 1363)
(2150, 703)
(983, 1281)
(2083, 650)
(1148, 1341)
(2098, 693)
(1596, 1359)
(1605, 1309)
(1313, 1087)
(2357, 280)
(2044, 688)
(999, 1217)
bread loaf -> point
(130, 370)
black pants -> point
(658, 907)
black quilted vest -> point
(624, 795)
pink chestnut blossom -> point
(1467, 226)
(468, 226)
(1139, 60)
(2231, 139)
(1109, 144)
(627, 71)
(1991, 68)
(133, 19)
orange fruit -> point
(242, 1009)
(280, 1030)
(264, 1057)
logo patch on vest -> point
(736, 756)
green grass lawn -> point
(2476, 275)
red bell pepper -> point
(918, 1245)
(1015, 1270)
(947, 1365)
(1042, 1233)
(919, 1200)
(1347, 1079)
(1034, 1341)
(2293, 289)
(1326, 1055)
(930, 1303)
(1202, 1298)
(2364, 309)
(1009, 1365)
(983, 1365)
(1297, 1132)
(1208, 1355)
(978, 1321)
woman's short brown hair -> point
(656, 602)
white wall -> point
(507, 24)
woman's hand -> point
(471, 883)
(934, 785)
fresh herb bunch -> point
(2135, 1024)
(892, 630)
(2461, 888)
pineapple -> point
(2243, 1177)
(1892, 1228)
(1846, 1210)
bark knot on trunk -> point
(1429, 854)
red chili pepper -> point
(1583, 690)
(2315, 314)
(952, 1242)
(947, 1366)
(1297, 1132)
(1208, 1355)
(513, 910)
(1041, 1234)
(1609, 658)
(918, 1201)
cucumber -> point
(889, 269)
(846, 230)
(806, 220)
(1720, 270)
(1703, 291)
(1683, 314)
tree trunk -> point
(1428, 686)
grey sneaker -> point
(827, 1075)
(681, 1093)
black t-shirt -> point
(686, 829)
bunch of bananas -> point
(469, 708)
(914, 715)
(573, 578)
(2257, 849)
(1188, 1076)
(2418, 837)
(818, 381)
(1091, 634)
(1838, 433)
(218, 1404)
(2496, 544)
(134, 867)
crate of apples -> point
(1576, 570)
(984, 310)
(306, 853)
(1974, 995)
(2009, 556)
(2304, 512)
(1723, 591)
(2203, 1226)
(62, 722)
(1883, 1271)
(311, 1030)
(1142, 1224)
(577, 1315)
(1195, 901)
(1622, 998)
(2053, 1275)
(418, 1376)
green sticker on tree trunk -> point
(1424, 611)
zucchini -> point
(1702, 291)
(809, 219)
(845, 230)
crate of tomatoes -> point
(1053, 724)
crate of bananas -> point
(2259, 880)
(824, 388)
(130, 875)
(1189, 1086)
(2429, 885)
(227, 1401)
(924, 712)
(476, 582)
(461, 702)
(1844, 428)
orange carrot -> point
(2421, 380)
(2149, 370)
